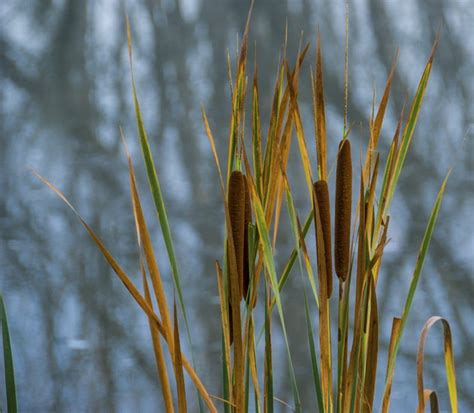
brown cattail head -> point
(236, 201)
(321, 192)
(247, 221)
(343, 207)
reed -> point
(252, 202)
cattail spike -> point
(322, 198)
(343, 209)
(236, 200)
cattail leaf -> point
(238, 99)
(361, 246)
(145, 242)
(342, 338)
(157, 348)
(226, 333)
(319, 114)
(412, 120)
(270, 267)
(391, 348)
(370, 210)
(178, 364)
(448, 359)
(271, 135)
(314, 359)
(213, 147)
(135, 293)
(253, 363)
(390, 166)
(302, 144)
(155, 335)
(353, 373)
(286, 137)
(291, 262)
(300, 245)
(386, 182)
(268, 366)
(293, 255)
(156, 193)
(371, 354)
(414, 283)
(253, 276)
(226, 329)
(376, 126)
(10, 386)
(256, 133)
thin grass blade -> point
(8, 361)
(178, 365)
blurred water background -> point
(80, 343)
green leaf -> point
(158, 200)
(270, 267)
(412, 120)
(268, 357)
(314, 358)
(8, 361)
(414, 282)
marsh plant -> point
(351, 232)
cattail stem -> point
(321, 192)
(343, 207)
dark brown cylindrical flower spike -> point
(321, 192)
(236, 200)
(343, 207)
(247, 220)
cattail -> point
(236, 200)
(342, 220)
(247, 220)
(321, 192)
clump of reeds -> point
(253, 191)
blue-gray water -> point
(80, 343)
